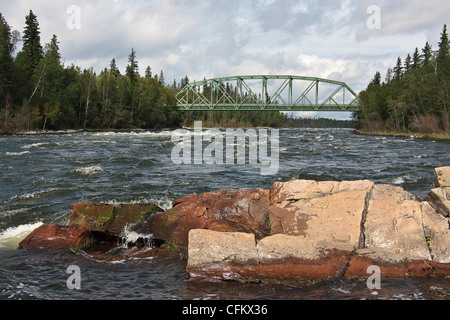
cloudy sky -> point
(340, 40)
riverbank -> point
(72, 131)
(426, 136)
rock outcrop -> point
(109, 218)
(56, 237)
(92, 226)
(323, 230)
(226, 211)
(296, 231)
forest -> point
(37, 92)
(414, 97)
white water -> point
(11, 237)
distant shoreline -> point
(425, 136)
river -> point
(41, 176)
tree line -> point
(318, 123)
(415, 95)
(37, 92)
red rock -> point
(391, 266)
(226, 211)
(299, 258)
(51, 236)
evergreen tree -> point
(427, 53)
(132, 68)
(48, 80)
(6, 66)
(6, 60)
(408, 63)
(113, 69)
(32, 43)
(398, 69)
(53, 48)
(416, 59)
(162, 81)
(388, 75)
(444, 49)
(376, 79)
(148, 72)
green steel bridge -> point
(267, 92)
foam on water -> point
(89, 170)
(34, 145)
(34, 195)
(9, 154)
(11, 237)
(130, 237)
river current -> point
(41, 176)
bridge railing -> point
(273, 92)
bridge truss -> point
(267, 92)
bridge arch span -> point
(267, 92)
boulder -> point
(307, 208)
(439, 198)
(442, 177)
(51, 236)
(109, 218)
(393, 221)
(437, 233)
(222, 255)
(226, 211)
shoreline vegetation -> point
(39, 94)
(414, 99)
(426, 136)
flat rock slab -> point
(394, 221)
(222, 255)
(307, 208)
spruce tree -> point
(398, 69)
(132, 68)
(6, 60)
(444, 49)
(408, 63)
(161, 78)
(416, 59)
(427, 53)
(6, 66)
(32, 43)
(53, 48)
(113, 69)
(148, 72)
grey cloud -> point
(401, 17)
